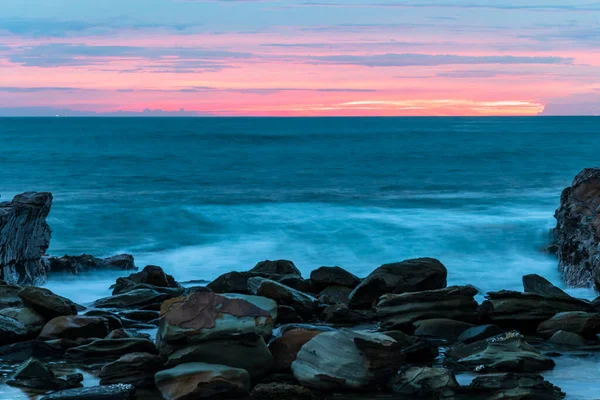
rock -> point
(396, 311)
(24, 237)
(9, 295)
(248, 352)
(424, 382)
(441, 328)
(281, 391)
(303, 303)
(347, 360)
(75, 326)
(285, 348)
(277, 267)
(109, 392)
(579, 322)
(21, 351)
(133, 299)
(201, 380)
(114, 321)
(287, 315)
(295, 282)
(34, 374)
(232, 282)
(86, 263)
(335, 295)
(11, 330)
(539, 285)
(511, 386)
(577, 227)
(333, 276)
(150, 275)
(140, 315)
(262, 302)
(525, 311)
(137, 369)
(290, 327)
(416, 350)
(564, 338)
(478, 333)
(31, 320)
(407, 276)
(205, 316)
(111, 348)
(46, 303)
(504, 353)
(127, 334)
(32, 368)
(341, 315)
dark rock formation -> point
(9, 295)
(109, 392)
(539, 285)
(406, 276)
(111, 349)
(74, 327)
(510, 386)
(86, 263)
(46, 303)
(577, 231)
(137, 369)
(133, 299)
(333, 276)
(150, 275)
(281, 391)
(277, 267)
(579, 322)
(31, 320)
(35, 375)
(424, 382)
(11, 331)
(24, 238)
(335, 295)
(480, 332)
(342, 315)
(303, 303)
(441, 328)
(286, 348)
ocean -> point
(204, 196)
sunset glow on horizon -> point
(297, 58)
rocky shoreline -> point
(270, 333)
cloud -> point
(407, 59)
(11, 89)
(579, 104)
(480, 73)
(67, 112)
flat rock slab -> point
(109, 392)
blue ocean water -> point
(202, 196)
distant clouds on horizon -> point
(296, 57)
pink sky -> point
(295, 58)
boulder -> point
(262, 302)
(342, 315)
(74, 327)
(140, 315)
(285, 348)
(150, 275)
(424, 382)
(9, 295)
(333, 276)
(46, 303)
(31, 320)
(34, 374)
(133, 299)
(335, 295)
(564, 338)
(478, 333)
(281, 391)
(109, 392)
(205, 316)
(11, 331)
(525, 311)
(407, 276)
(416, 349)
(287, 315)
(579, 322)
(511, 386)
(127, 334)
(396, 311)
(114, 321)
(86, 263)
(201, 380)
(534, 283)
(347, 360)
(504, 353)
(21, 351)
(137, 369)
(248, 352)
(303, 303)
(577, 231)
(24, 238)
(277, 267)
(110, 349)
(441, 328)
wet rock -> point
(333, 276)
(504, 353)
(287, 315)
(248, 352)
(441, 328)
(525, 311)
(347, 360)
(415, 349)
(75, 326)
(309, 327)
(303, 303)
(579, 322)
(335, 295)
(35, 375)
(201, 380)
(577, 227)
(424, 382)
(150, 275)
(11, 331)
(281, 391)
(133, 299)
(140, 315)
(111, 348)
(342, 315)
(511, 386)
(86, 263)
(9, 295)
(46, 303)
(277, 267)
(137, 369)
(534, 283)
(478, 333)
(285, 348)
(109, 392)
(62, 345)
(127, 334)
(31, 320)
(24, 237)
(205, 316)
(114, 321)
(564, 338)
(262, 302)
(21, 351)
(407, 276)
(396, 311)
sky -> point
(299, 58)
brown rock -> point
(74, 327)
(286, 347)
